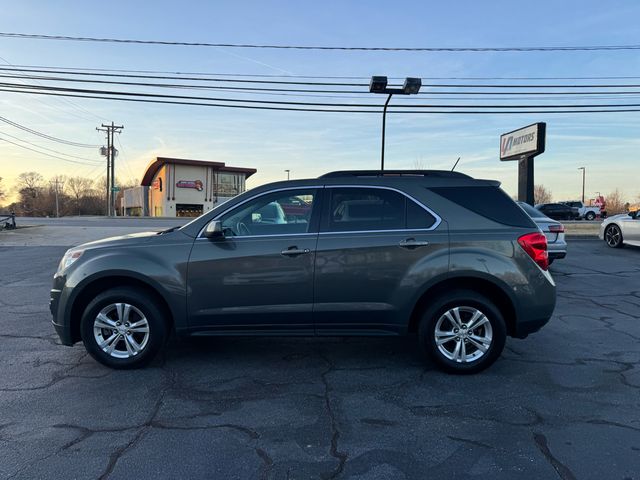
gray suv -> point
(438, 254)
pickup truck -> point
(585, 212)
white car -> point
(621, 229)
(552, 229)
(586, 212)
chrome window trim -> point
(436, 224)
(283, 189)
(438, 219)
(241, 237)
(398, 230)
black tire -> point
(613, 236)
(590, 216)
(463, 299)
(141, 302)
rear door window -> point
(352, 209)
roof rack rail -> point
(395, 173)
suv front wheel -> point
(462, 332)
(123, 328)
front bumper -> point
(524, 329)
(61, 327)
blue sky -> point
(309, 144)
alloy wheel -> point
(613, 236)
(463, 334)
(121, 330)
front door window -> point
(279, 213)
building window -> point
(228, 185)
(188, 209)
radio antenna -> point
(455, 164)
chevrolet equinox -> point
(441, 255)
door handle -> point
(411, 243)
(294, 252)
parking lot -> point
(562, 403)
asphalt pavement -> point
(562, 403)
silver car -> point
(552, 229)
(621, 229)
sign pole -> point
(526, 181)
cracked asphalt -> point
(563, 403)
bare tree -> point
(29, 188)
(2, 193)
(418, 164)
(615, 203)
(31, 182)
(541, 194)
(79, 187)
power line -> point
(558, 48)
(123, 158)
(87, 160)
(288, 91)
(326, 110)
(174, 77)
(43, 153)
(330, 84)
(297, 103)
(44, 135)
(61, 100)
(334, 77)
(334, 84)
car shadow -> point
(347, 351)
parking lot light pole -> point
(583, 175)
(288, 172)
(378, 84)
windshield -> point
(532, 212)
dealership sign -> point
(522, 143)
(196, 184)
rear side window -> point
(366, 209)
(418, 217)
(490, 202)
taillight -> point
(535, 244)
(556, 228)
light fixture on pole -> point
(288, 172)
(378, 84)
(583, 175)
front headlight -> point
(69, 258)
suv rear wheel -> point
(123, 328)
(462, 332)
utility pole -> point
(583, 175)
(55, 183)
(111, 171)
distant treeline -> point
(36, 196)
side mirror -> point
(214, 229)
